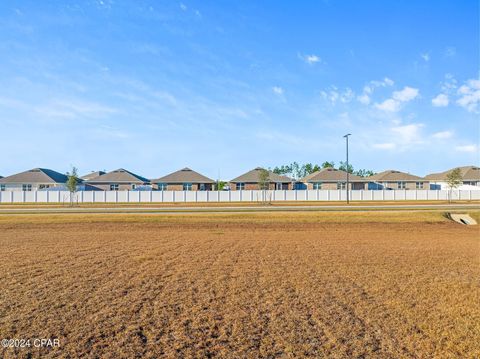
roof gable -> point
(36, 175)
(468, 173)
(185, 175)
(92, 175)
(393, 175)
(330, 174)
(119, 176)
(253, 176)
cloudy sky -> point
(225, 86)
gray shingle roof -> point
(185, 175)
(468, 173)
(392, 175)
(253, 176)
(92, 175)
(119, 176)
(36, 175)
(331, 175)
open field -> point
(390, 284)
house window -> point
(187, 186)
(26, 187)
(401, 185)
(419, 185)
(240, 186)
(317, 185)
(280, 186)
(114, 187)
(43, 186)
(341, 185)
(134, 186)
(162, 186)
(2, 187)
(202, 187)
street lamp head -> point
(348, 134)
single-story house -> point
(118, 180)
(252, 181)
(392, 179)
(331, 178)
(33, 180)
(470, 178)
(91, 175)
(183, 180)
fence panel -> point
(233, 196)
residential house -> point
(33, 180)
(183, 180)
(252, 180)
(470, 178)
(118, 180)
(391, 180)
(331, 178)
(91, 175)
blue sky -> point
(226, 86)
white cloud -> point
(407, 134)
(75, 109)
(368, 89)
(398, 97)
(470, 95)
(310, 59)
(405, 95)
(385, 146)
(183, 6)
(467, 148)
(442, 135)
(440, 101)
(365, 99)
(277, 90)
(334, 94)
(425, 56)
(450, 84)
(389, 105)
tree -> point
(364, 173)
(343, 167)
(328, 164)
(220, 185)
(263, 179)
(72, 183)
(454, 180)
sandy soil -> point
(241, 286)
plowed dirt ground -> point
(333, 285)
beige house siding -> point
(255, 186)
(333, 185)
(121, 186)
(179, 186)
(393, 185)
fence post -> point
(470, 195)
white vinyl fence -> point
(230, 196)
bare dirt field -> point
(333, 285)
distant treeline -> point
(297, 170)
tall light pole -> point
(348, 172)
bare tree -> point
(454, 180)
